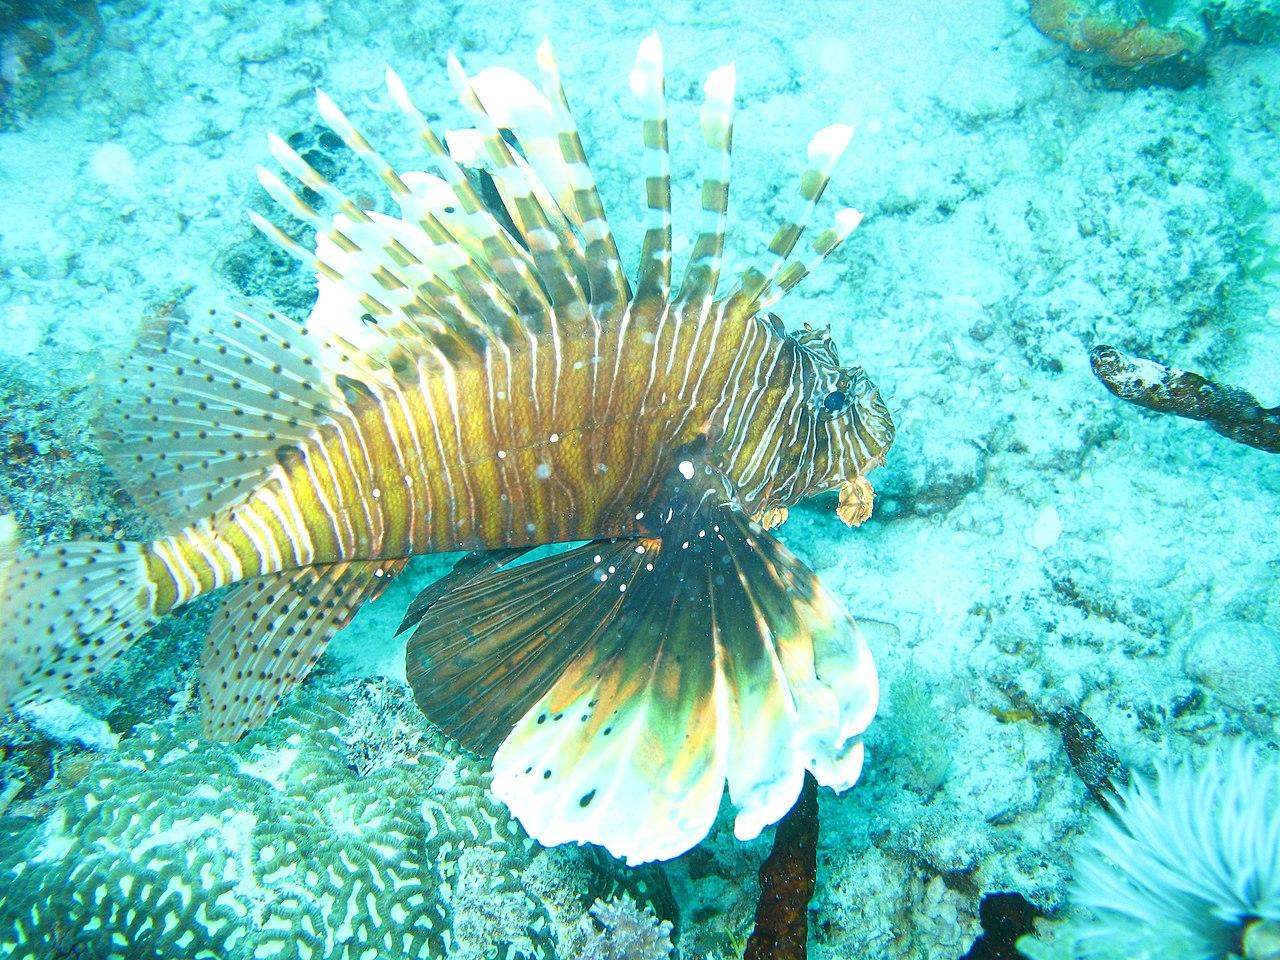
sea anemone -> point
(1190, 859)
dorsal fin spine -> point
(355, 140)
(609, 288)
(555, 252)
(654, 273)
(846, 221)
(703, 271)
(512, 265)
(491, 304)
(824, 151)
(298, 168)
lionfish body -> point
(479, 375)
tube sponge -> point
(1187, 862)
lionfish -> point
(479, 375)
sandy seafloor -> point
(1034, 538)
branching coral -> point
(178, 848)
(623, 931)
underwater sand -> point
(1035, 540)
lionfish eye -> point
(835, 401)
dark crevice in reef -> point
(1005, 917)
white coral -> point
(630, 933)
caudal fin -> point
(67, 611)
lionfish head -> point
(851, 428)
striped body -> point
(564, 441)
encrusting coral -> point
(1119, 40)
(173, 847)
(1107, 31)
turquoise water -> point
(1040, 550)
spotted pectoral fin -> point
(270, 632)
(492, 643)
(639, 684)
(471, 567)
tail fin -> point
(66, 611)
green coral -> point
(1251, 21)
(919, 737)
(174, 847)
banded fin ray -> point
(709, 657)
(443, 278)
(653, 283)
(207, 399)
(553, 245)
(760, 288)
(269, 633)
(509, 262)
(413, 277)
(703, 272)
(439, 243)
(544, 128)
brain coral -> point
(345, 829)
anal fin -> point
(270, 632)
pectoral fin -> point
(625, 684)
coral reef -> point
(1232, 412)
(620, 930)
(1128, 43)
(52, 473)
(1119, 40)
(1250, 21)
(177, 848)
(40, 38)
